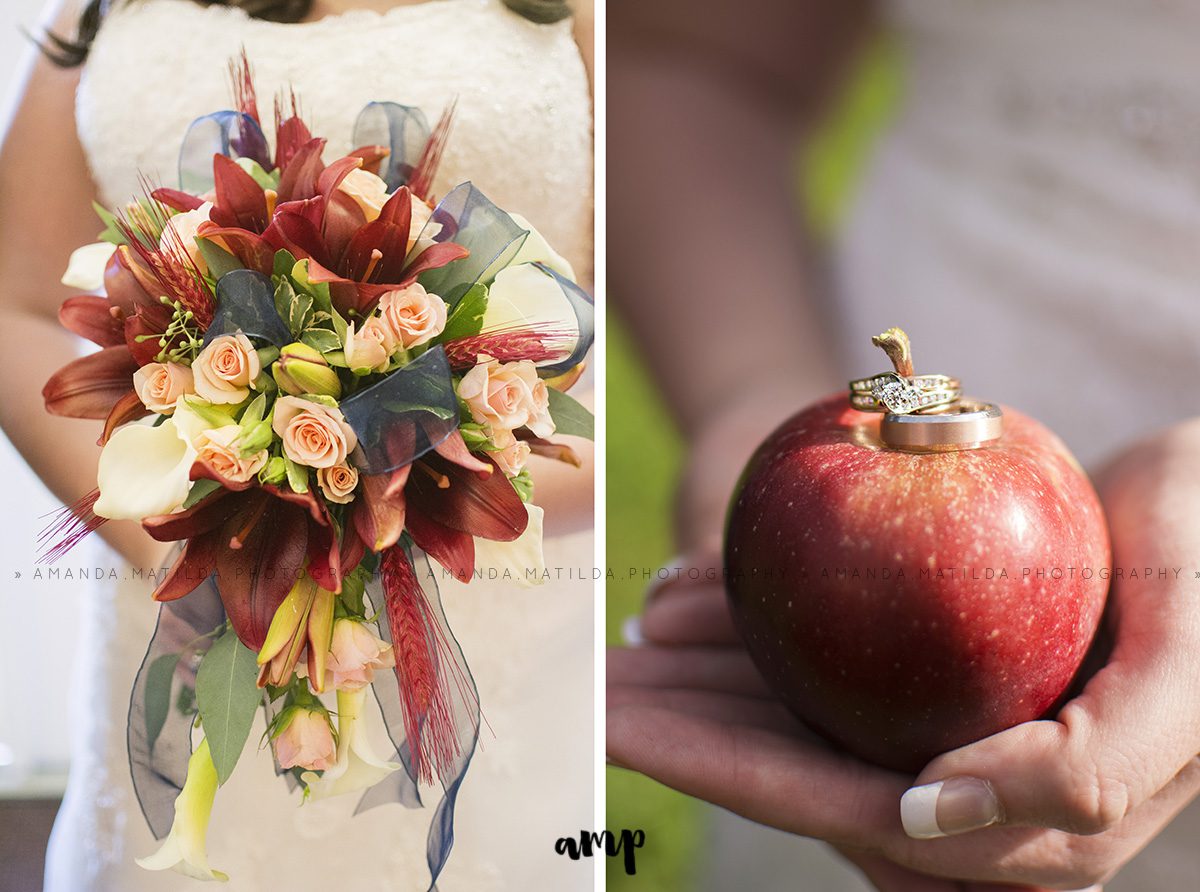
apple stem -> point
(894, 342)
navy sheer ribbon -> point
(159, 743)
(469, 217)
(222, 133)
(246, 303)
(405, 415)
(401, 786)
(585, 315)
(403, 129)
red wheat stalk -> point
(426, 670)
(421, 181)
(241, 76)
(509, 345)
(69, 526)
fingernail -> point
(944, 808)
(631, 631)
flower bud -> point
(275, 471)
(301, 369)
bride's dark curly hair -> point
(72, 51)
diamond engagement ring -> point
(904, 394)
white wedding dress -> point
(523, 135)
(1032, 219)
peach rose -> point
(354, 655)
(219, 449)
(225, 368)
(338, 483)
(507, 395)
(313, 434)
(412, 315)
(160, 384)
(511, 454)
(371, 346)
(179, 233)
(306, 741)
(369, 191)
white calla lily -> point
(144, 471)
(536, 249)
(357, 766)
(522, 558)
(524, 296)
(184, 850)
(194, 417)
(85, 269)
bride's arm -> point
(45, 213)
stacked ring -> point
(904, 395)
(969, 425)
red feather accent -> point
(421, 182)
(71, 524)
(532, 343)
(428, 675)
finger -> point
(1134, 726)
(701, 567)
(754, 712)
(887, 876)
(766, 777)
(722, 669)
(698, 615)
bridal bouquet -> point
(312, 376)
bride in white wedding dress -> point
(522, 133)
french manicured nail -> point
(944, 808)
(631, 631)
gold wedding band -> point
(969, 425)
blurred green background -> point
(645, 454)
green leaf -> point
(285, 262)
(218, 259)
(523, 484)
(297, 475)
(294, 307)
(158, 695)
(570, 417)
(264, 179)
(320, 295)
(112, 233)
(200, 490)
(466, 318)
(227, 694)
(321, 339)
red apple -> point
(905, 604)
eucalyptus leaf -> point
(570, 416)
(158, 695)
(466, 318)
(227, 695)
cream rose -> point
(160, 384)
(180, 233)
(369, 191)
(511, 454)
(369, 347)
(219, 449)
(421, 213)
(224, 369)
(338, 483)
(506, 396)
(313, 434)
(412, 315)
